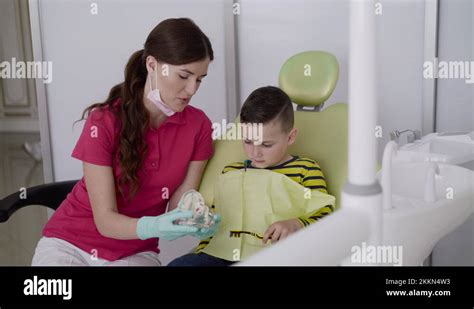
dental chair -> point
(309, 78)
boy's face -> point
(273, 149)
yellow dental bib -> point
(249, 201)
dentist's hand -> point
(205, 233)
(162, 226)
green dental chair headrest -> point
(310, 77)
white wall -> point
(400, 53)
(89, 54)
(456, 113)
(455, 107)
(271, 31)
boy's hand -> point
(281, 229)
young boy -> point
(271, 107)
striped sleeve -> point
(315, 216)
(233, 166)
(202, 244)
(314, 180)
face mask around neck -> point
(155, 97)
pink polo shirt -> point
(183, 137)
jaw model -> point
(193, 201)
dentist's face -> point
(177, 84)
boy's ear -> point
(292, 136)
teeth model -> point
(202, 215)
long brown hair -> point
(175, 41)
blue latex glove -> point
(162, 226)
(204, 233)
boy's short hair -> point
(266, 104)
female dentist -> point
(140, 147)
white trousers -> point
(52, 251)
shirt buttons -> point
(152, 165)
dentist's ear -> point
(152, 64)
(292, 136)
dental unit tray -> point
(449, 148)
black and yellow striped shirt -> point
(305, 172)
